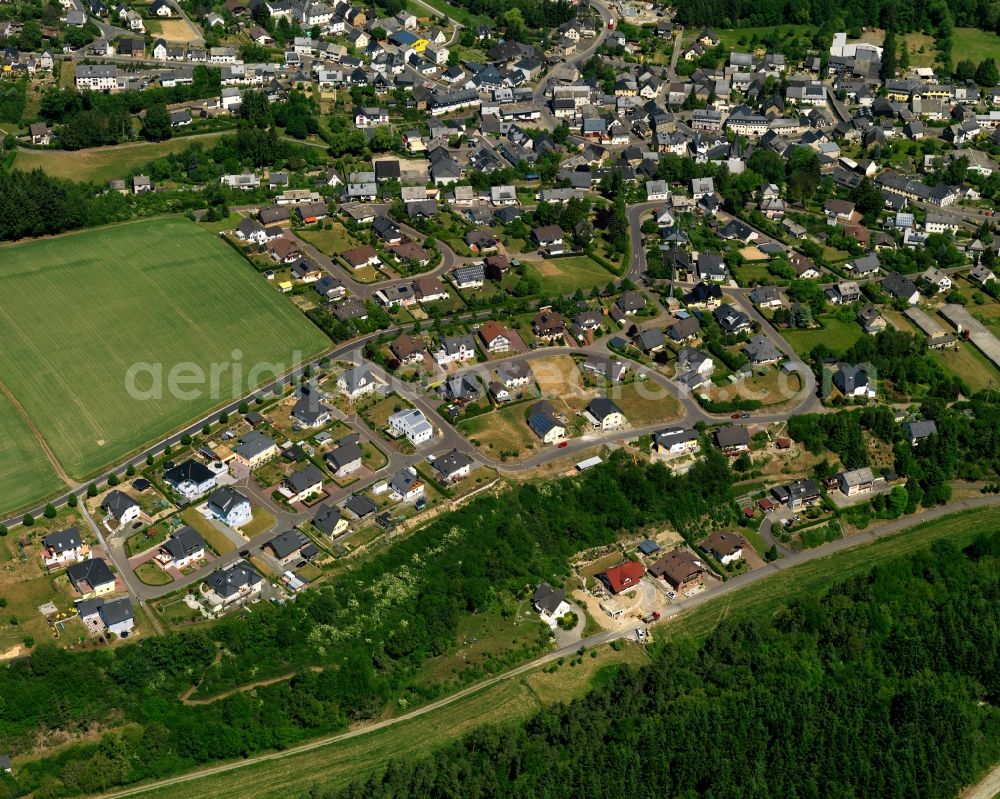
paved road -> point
(582, 55)
(723, 589)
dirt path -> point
(187, 700)
(36, 433)
(987, 788)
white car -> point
(640, 634)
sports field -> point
(79, 311)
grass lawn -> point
(770, 386)
(331, 242)
(968, 363)
(262, 521)
(102, 164)
(161, 297)
(23, 599)
(974, 44)
(503, 433)
(377, 415)
(372, 457)
(644, 402)
(566, 275)
(26, 476)
(151, 574)
(730, 38)
(215, 538)
(140, 542)
(834, 333)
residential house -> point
(229, 506)
(406, 486)
(183, 548)
(681, 569)
(469, 277)
(357, 382)
(603, 414)
(623, 578)
(544, 423)
(856, 481)
(760, 350)
(291, 546)
(725, 547)
(121, 507)
(871, 319)
(550, 603)
(900, 288)
(514, 374)
(548, 325)
(549, 239)
(411, 424)
(919, 430)
(495, 337)
(674, 443)
(229, 587)
(345, 458)
(452, 466)
(455, 349)
(114, 617)
(731, 320)
(733, 439)
(407, 349)
(190, 479)
(91, 578)
(854, 381)
(797, 494)
(301, 485)
(255, 449)
(329, 521)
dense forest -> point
(886, 686)
(368, 632)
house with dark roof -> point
(726, 547)
(674, 443)
(603, 414)
(544, 423)
(62, 547)
(452, 466)
(288, 546)
(232, 586)
(190, 479)
(121, 508)
(229, 506)
(357, 382)
(919, 430)
(91, 577)
(345, 458)
(733, 439)
(707, 295)
(550, 603)
(329, 521)
(303, 484)
(854, 381)
(360, 506)
(759, 350)
(184, 547)
(731, 320)
(548, 325)
(900, 288)
(255, 449)
(406, 486)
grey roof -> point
(357, 377)
(309, 407)
(253, 444)
(650, 339)
(224, 499)
(304, 478)
(667, 438)
(451, 462)
(62, 540)
(732, 436)
(116, 611)
(183, 543)
(403, 481)
(513, 370)
(288, 543)
(759, 349)
(189, 470)
(228, 582)
(631, 301)
(345, 453)
(542, 418)
(118, 503)
(683, 329)
(326, 519)
(547, 599)
(602, 407)
(94, 571)
(920, 429)
(360, 505)
(849, 377)
(898, 286)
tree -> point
(244, 407)
(986, 73)
(28, 520)
(50, 511)
(3, 530)
(965, 70)
(186, 440)
(868, 199)
(223, 418)
(71, 501)
(904, 57)
(92, 490)
(887, 71)
(156, 124)
(112, 480)
(130, 470)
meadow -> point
(81, 311)
(26, 476)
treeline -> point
(885, 686)
(369, 633)
(937, 15)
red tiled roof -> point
(623, 577)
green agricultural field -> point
(80, 312)
(102, 164)
(26, 476)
